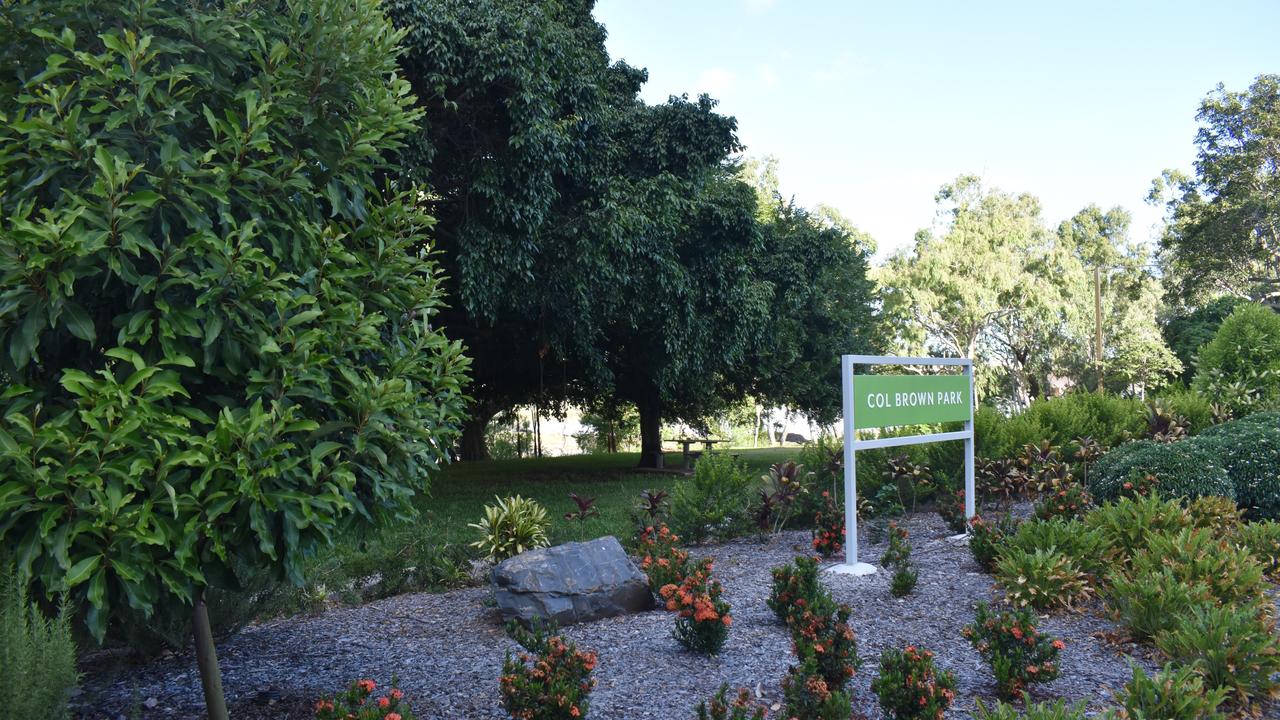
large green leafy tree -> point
(997, 285)
(1102, 258)
(601, 249)
(722, 293)
(1187, 330)
(1223, 234)
(220, 331)
(982, 288)
(514, 147)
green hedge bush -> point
(1106, 418)
(997, 436)
(715, 502)
(1185, 470)
(1249, 451)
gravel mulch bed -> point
(447, 649)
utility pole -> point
(1097, 324)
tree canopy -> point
(1223, 234)
(997, 285)
(599, 246)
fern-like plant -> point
(1229, 647)
(1172, 694)
(37, 656)
(1056, 710)
(510, 527)
(1043, 579)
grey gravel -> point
(447, 649)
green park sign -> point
(889, 400)
(872, 402)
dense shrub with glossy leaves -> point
(715, 502)
(1109, 419)
(1245, 350)
(1184, 469)
(216, 324)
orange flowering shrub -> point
(720, 707)
(660, 559)
(822, 638)
(360, 702)
(703, 620)
(550, 681)
(987, 538)
(910, 686)
(807, 695)
(795, 587)
(828, 527)
(1017, 652)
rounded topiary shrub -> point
(1183, 470)
(1250, 453)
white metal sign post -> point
(900, 400)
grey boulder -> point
(571, 583)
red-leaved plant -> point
(360, 703)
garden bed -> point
(447, 649)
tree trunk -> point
(207, 661)
(650, 434)
(473, 445)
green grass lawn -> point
(458, 494)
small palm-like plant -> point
(653, 504)
(1163, 423)
(509, 528)
(779, 499)
(586, 508)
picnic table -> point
(686, 442)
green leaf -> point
(127, 355)
(79, 323)
(80, 571)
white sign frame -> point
(852, 445)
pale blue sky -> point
(871, 106)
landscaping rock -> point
(571, 583)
